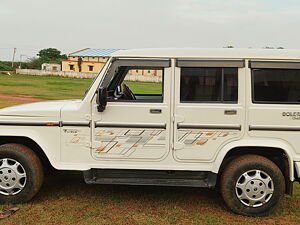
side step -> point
(151, 177)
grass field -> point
(52, 88)
(66, 199)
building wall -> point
(146, 72)
(89, 64)
(84, 75)
(96, 64)
(51, 66)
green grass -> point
(53, 87)
(66, 199)
(45, 87)
(144, 87)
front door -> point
(136, 122)
(209, 107)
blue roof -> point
(100, 52)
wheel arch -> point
(30, 143)
(278, 152)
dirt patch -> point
(21, 98)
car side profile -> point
(218, 118)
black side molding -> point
(128, 125)
(46, 123)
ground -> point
(66, 199)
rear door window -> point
(204, 84)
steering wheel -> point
(128, 93)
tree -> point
(51, 55)
(47, 55)
(33, 63)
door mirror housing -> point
(101, 99)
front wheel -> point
(21, 173)
(252, 185)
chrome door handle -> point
(155, 111)
(230, 112)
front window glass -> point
(134, 84)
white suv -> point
(225, 118)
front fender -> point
(48, 138)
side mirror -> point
(101, 99)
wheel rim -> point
(254, 188)
(12, 177)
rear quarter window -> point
(276, 86)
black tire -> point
(31, 166)
(250, 196)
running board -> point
(151, 177)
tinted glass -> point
(230, 84)
(201, 84)
(276, 86)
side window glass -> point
(138, 84)
(276, 86)
(202, 84)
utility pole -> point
(13, 59)
(20, 61)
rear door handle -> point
(230, 112)
(155, 111)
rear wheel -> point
(21, 173)
(252, 185)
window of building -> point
(54, 68)
(91, 68)
(71, 67)
(204, 84)
(276, 86)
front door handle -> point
(155, 111)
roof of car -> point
(222, 53)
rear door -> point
(209, 107)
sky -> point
(70, 25)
